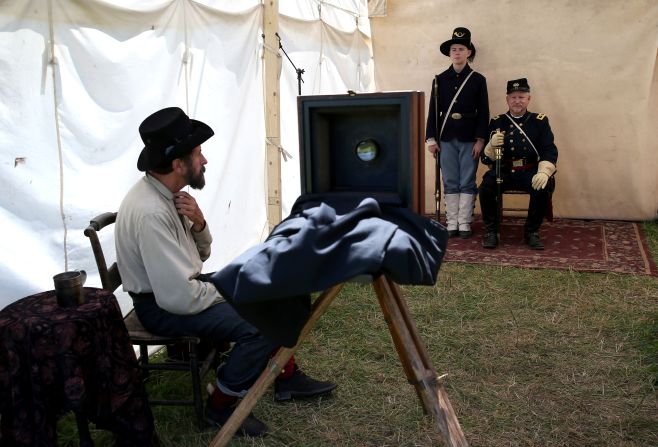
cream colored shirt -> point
(157, 250)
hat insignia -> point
(458, 34)
(516, 84)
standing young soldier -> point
(458, 133)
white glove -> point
(544, 172)
(497, 140)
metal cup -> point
(68, 288)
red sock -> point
(220, 400)
(288, 369)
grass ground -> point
(533, 357)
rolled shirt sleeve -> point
(203, 241)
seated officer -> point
(528, 162)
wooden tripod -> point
(413, 355)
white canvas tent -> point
(79, 76)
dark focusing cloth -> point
(319, 246)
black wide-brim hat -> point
(461, 36)
(169, 134)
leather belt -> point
(459, 116)
(141, 297)
(527, 167)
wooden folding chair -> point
(111, 280)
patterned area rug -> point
(580, 245)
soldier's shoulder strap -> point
(540, 116)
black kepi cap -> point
(518, 85)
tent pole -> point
(272, 111)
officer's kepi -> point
(518, 85)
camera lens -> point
(367, 150)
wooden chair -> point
(111, 280)
(549, 206)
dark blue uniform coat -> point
(519, 165)
(472, 102)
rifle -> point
(437, 157)
(498, 155)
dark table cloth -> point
(320, 245)
(53, 360)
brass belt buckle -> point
(517, 163)
(456, 116)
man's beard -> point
(197, 181)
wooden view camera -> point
(364, 145)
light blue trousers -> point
(458, 168)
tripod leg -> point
(416, 363)
(272, 370)
(452, 422)
(437, 186)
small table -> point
(54, 360)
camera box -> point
(363, 145)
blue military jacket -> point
(517, 151)
(472, 103)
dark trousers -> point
(520, 181)
(218, 324)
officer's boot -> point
(488, 207)
(536, 211)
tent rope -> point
(284, 153)
(52, 61)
